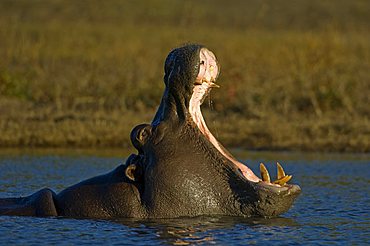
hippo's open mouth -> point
(205, 81)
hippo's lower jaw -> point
(275, 200)
(274, 197)
(199, 93)
(202, 86)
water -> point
(333, 208)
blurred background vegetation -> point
(294, 74)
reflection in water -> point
(185, 231)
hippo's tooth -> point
(280, 171)
(214, 85)
(282, 181)
(264, 173)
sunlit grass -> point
(84, 75)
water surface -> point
(332, 209)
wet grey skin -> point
(177, 171)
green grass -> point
(294, 74)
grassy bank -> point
(293, 76)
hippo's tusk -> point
(282, 179)
(280, 171)
(214, 85)
(264, 173)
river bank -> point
(44, 127)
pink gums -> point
(207, 73)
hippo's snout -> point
(274, 200)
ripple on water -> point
(333, 207)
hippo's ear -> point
(133, 170)
(140, 135)
(143, 134)
(130, 172)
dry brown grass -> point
(293, 76)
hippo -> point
(180, 168)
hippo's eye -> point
(202, 63)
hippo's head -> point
(184, 170)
